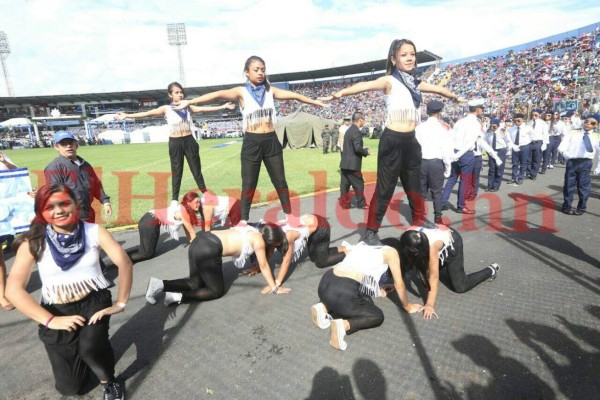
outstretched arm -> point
(197, 109)
(157, 112)
(233, 94)
(281, 94)
(442, 91)
(434, 280)
(380, 84)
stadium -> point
(531, 334)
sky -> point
(85, 46)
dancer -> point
(399, 151)
(428, 250)
(256, 100)
(346, 292)
(76, 303)
(181, 139)
(312, 231)
(206, 280)
(168, 220)
(219, 211)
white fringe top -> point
(85, 276)
(221, 207)
(301, 241)
(247, 249)
(168, 223)
(177, 125)
(254, 115)
(399, 104)
(445, 235)
(368, 262)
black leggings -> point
(399, 156)
(187, 147)
(319, 251)
(206, 280)
(149, 229)
(256, 149)
(343, 299)
(455, 265)
(71, 353)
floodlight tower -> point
(177, 37)
(4, 52)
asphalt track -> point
(533, 333)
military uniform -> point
(334, 140)
(326, 136)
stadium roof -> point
(423, 57)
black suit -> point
(350, 168)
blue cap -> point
(569, 114)
(594, 116)
(495, 121)
(434, 106)
(62, 135)
(519, 115)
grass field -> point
(147, 168)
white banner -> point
(16, 206)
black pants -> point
(187, 147)
(71, 353)
(455, 265)
(256, 149)
(355, 179)
(343, 299)
(319, 251)
(432, 179)
(206, 280)
(399, 156)
(149, 229)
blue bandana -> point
(258, 92)
(183, 114)
(66, 249)
(411, 83)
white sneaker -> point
(173, 204)
(172, 298)
(320, 318)
(155, 286)
(550, 166)
(337, 334)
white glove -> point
(597, 171)
(447, 172)
(454, 159)
(544, 146)
(498, 161)
(516, 148)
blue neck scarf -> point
(257, 93)
(66, 249)
(183, 114)
(411, 83)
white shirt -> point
(572, 145)
(466, 132)
(435, 138)
(540, 132)
(524, 134)
(502, 139)
(341, 132)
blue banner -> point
(16, 206)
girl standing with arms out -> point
(257, 103)
(181, 139)
(399, 151)
(76, 303)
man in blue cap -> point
(519, 135)
(579, 147)
(70, 169)
(539, 142)
(500, 142)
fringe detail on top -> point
(259, 117)
(247, 250)
(301, 246)
(65, 292)
(369, 285)
(183, 128)
(405, 116)
(444, 250)
(167, 227)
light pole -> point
(4, 52)
(177, 37)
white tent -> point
(151, 134)
(16, 123)
(114, 136)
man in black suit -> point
(351, 164)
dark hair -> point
(394, 47)
(356, 116)
(414, 253)
(37, 230)
(274, 238)
(189, 196)
(252, 59)
(472, 109)
(170, 89)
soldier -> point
(326, 135)
(334, 139)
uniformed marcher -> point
(539, 142)
(326, 136)
(334, 139)
(480, 145)
(499, 141)
(520, 137)
(435, 139)
(579, 148)
(341, 132)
